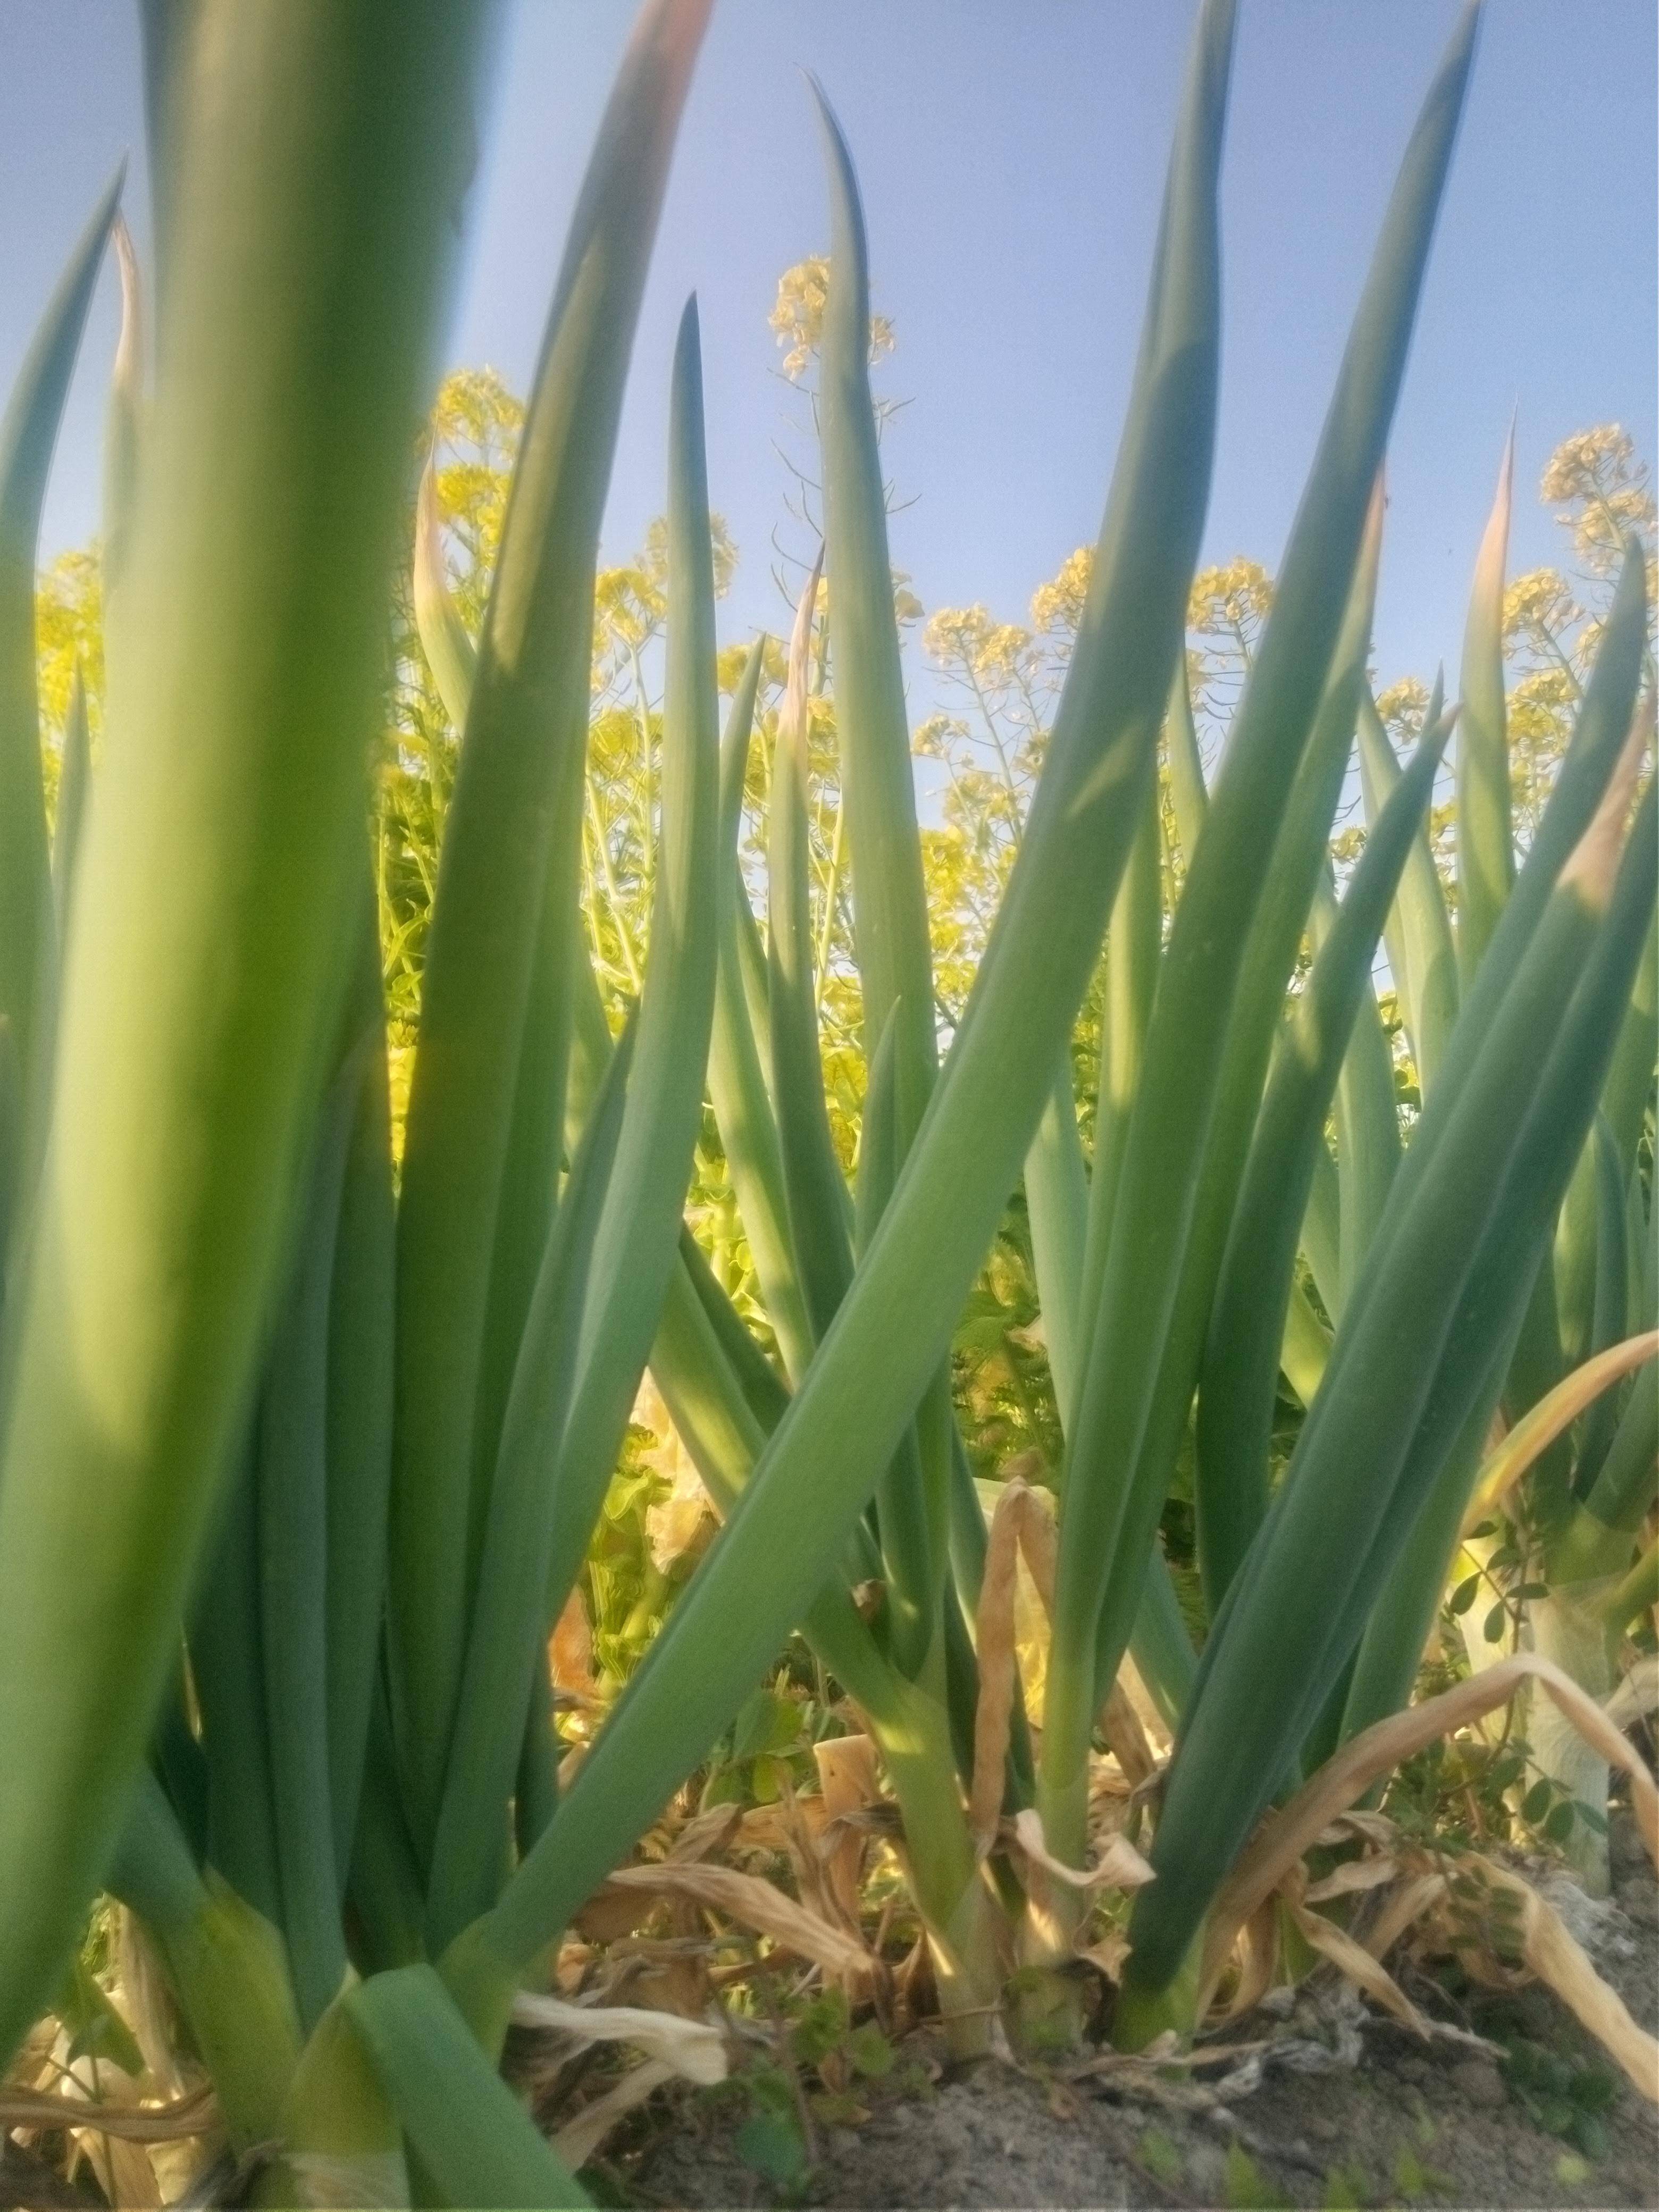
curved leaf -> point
(315, 190)
(509, 859)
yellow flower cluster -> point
(69, 633)
(797, 316)
(1057, 606)
(1599, 478)
(1231, 602)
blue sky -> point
(1011, 158)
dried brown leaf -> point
(755, 1903)
(1280, 1841)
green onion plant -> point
(301, 1447)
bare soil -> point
(1341, 2107)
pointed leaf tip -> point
(687, 354)
(1490, 562)
(1593, 862)
(843, 177)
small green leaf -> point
(1413, 2179)
(1245, 2189)
(1160, 2158)
(95, 2028)
(870, 2052)
(1594, 2088)
(773, 2146)
(821, 2028)
(1559, 1826)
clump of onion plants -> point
(299, 1455)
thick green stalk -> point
(1643, 1296)
(505, 1647)
(889, 899)
(536, 1782)
(1623, 1490)
(1422, 956)
(473, 2143)
(1057, 1207)
(1058, 1193)
(319, 172)
(1583, 1569)
(1071, 1217)
(817, 1193)
(179, 1763)
(737, 1081)
(1305, 1348)
(1610, 1321)
(362, 1307)
(506, 837)
(819, 1224)
(291, 1536)
(339, 2135)
(820, 1231)
(1185, 765)
(947, 1877)
(1367, 1118)
(1630, 1085)
(1630, 1079)
(450, 652)
(225, 1962)
(1135, 946)
(1638, 1593)
(1322, 1233)
(762, 1387)
(387, 1883)
(810, 1487)
(1237, 1386)
(172, 34)
(1486, 846)
(1391, 1651)
(227, 1660)
(639, 1230)
(878, 813)
(914, 1609)
(530, 1169)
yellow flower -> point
(1057, 606)
(797, 316)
